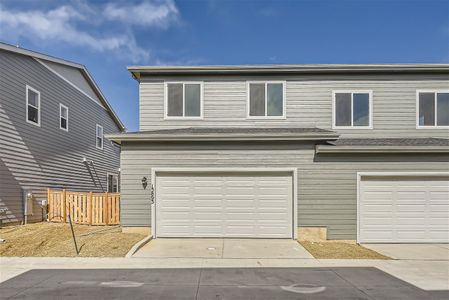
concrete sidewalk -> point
(412, 251)
(427, 275)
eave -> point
(137, 71)
(119, 138)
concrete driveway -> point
(412, 251)
(223, 248)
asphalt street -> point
(208, 283)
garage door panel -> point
(412, 209)
(215, 205)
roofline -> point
(286, 69)
(381, 149)
(142, 137)
(82, 68)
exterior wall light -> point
(144, 182)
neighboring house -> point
(52, 120)
(352, 152)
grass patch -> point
(340, 250)
(55, 240)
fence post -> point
(89, 208)
(106, 209)
(49, 207)
(64, 206)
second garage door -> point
(407, 209)
(250, 205)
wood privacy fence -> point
(84, 207)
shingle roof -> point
(238, 130)
(391, 142)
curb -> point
(138, 245)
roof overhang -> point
(137, 71)
(144, 137)
(380, 149)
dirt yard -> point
(55, 240)
(340, 250)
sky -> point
(108, 36)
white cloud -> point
(81, 26)
(148, 13)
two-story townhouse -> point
(353, 152)
(53, 118)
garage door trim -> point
(387, 174)
(293, 171)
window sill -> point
(432, 127)
(183, 118)
(266, 118)
(34, 123)
(352, 127)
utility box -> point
(28, 202)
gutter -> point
(287, 69)
(187, 138)
(380, 149)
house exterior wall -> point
(34, 158)
(308, 103)
(327, 184)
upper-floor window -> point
(99, 137)
(433, 109)
(33, 112)
(63, 117)
(183, 100)
(113, 186)
(266, 100)
(352, 109)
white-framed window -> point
(99, 136)
(266, 99)
(432, 109)
(352, 109)
(113, 183)
(33, 106)
(183, 100)
(63, 117)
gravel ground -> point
(340, 250)
(55, 240)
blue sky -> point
(108, 36)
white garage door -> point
(404, 210)
(253, 205)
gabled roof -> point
(80, 67)
(227, 134)
(389, 145)
(289, 69)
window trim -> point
(27, 87)
(284, 98)
(96, 136)
(435, 91)
(352, 92)
(60, 117)
(107, 181)
(166, 117)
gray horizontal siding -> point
(309, 103)
(326, 186)
(35, 158)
